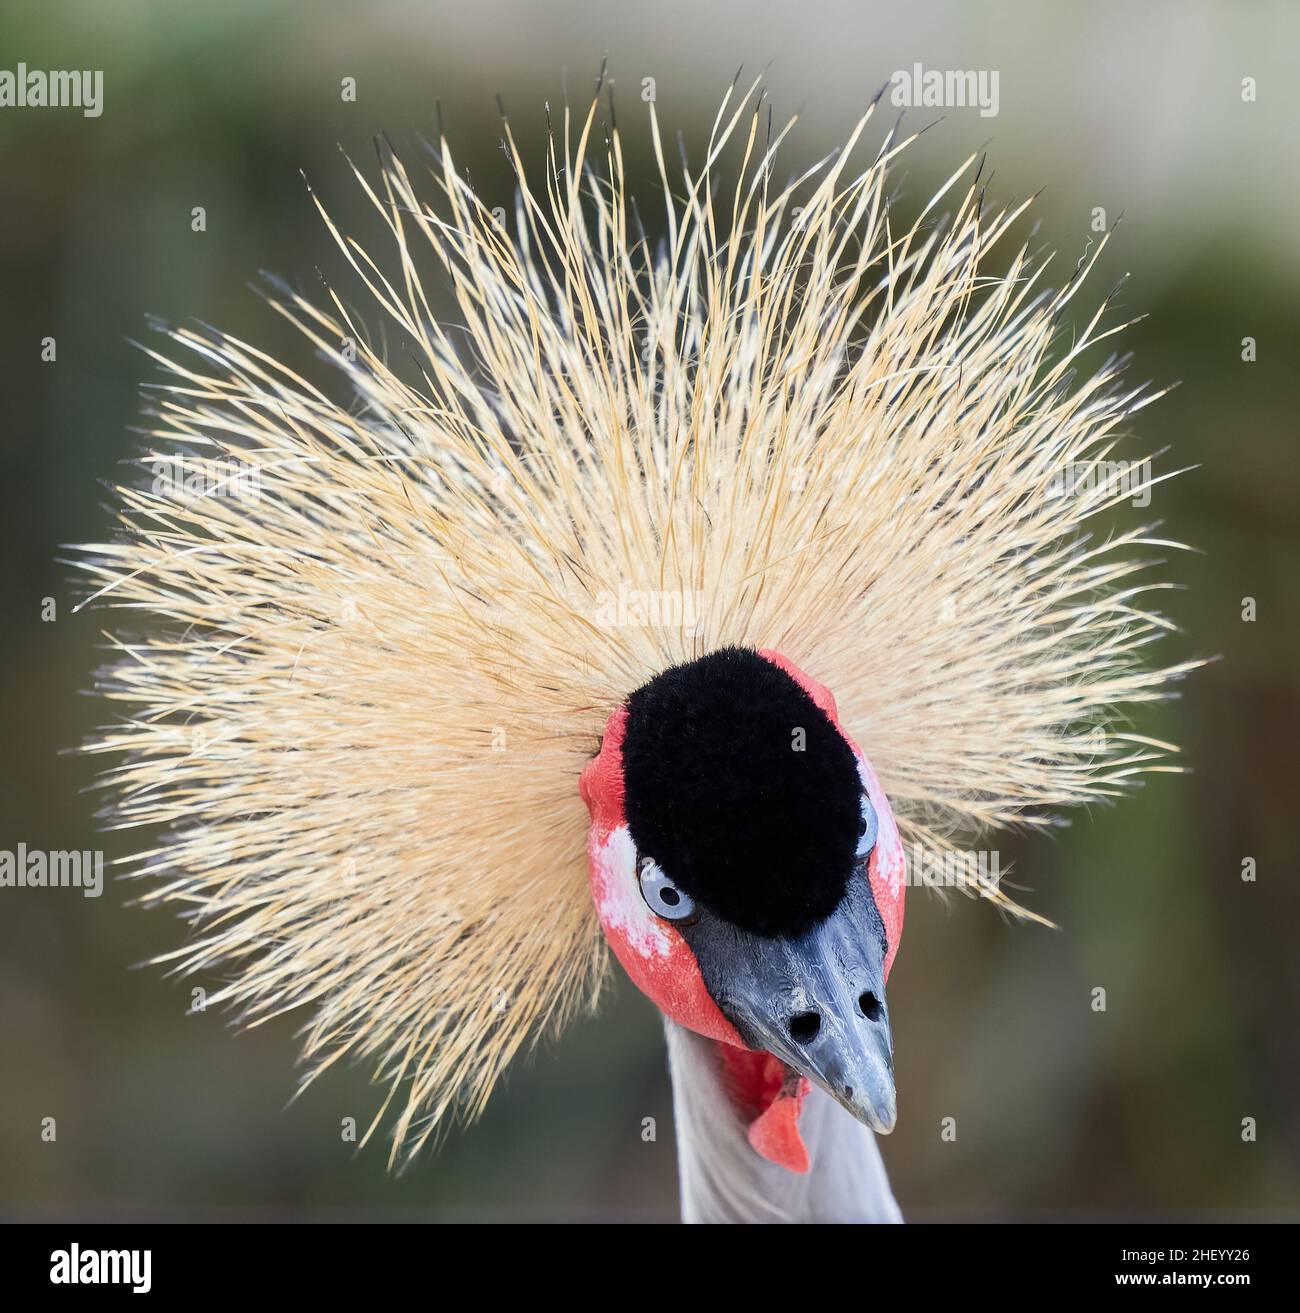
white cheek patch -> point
(889, 847)
(621, 906)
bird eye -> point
(870, 827)
(663, 897)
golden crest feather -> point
(362, 697)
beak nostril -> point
(804, 1027)
(869, 1005)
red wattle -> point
(765, 1090)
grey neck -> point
(724, 1180)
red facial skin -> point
(661, 964)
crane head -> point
(748, 874)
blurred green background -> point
(1060, 1110)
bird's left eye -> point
(663, 897)
(870, 827)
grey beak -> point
(818, 1003)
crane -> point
(654, 601)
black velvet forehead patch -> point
(743, 791)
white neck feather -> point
(724, 1180)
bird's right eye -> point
(663, 897)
